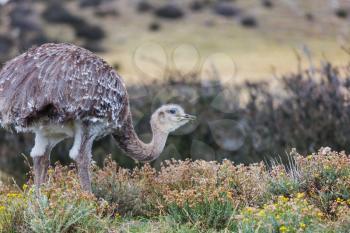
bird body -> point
(59, 91)
(58, 83)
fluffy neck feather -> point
(128, 140)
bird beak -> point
(188, 117)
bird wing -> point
(61, 82)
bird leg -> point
(40, 166)
(41, 156)
(83, 163)
(81, 153)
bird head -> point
(169, 117)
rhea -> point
(59, 91)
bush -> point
(144, 6)
(116, 185)
(341, 13)
(267, 3)
(91, 3)
(55, 12)
(226, 9)
(61, 207)
(89, 32)
(249, 22)
(214, 214)
(285, 215)
(196, 5)
(188, 196)
(12, 204)
(309, 111)
(63, 215)
(244, 123)
(169, 11)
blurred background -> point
(263, 76)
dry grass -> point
(311, 194)
(257, 52)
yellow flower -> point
(25, 186)
(283, 198)
(249, 210)
(229, 195)
(300, 195)
(283, 229)
(14, 195)
(117, 216)
(348, 201)
(2, 208)
(261, 213)
(319, 214)
(302, 225)
(339, 200)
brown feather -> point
(61, 82)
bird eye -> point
(172, 111)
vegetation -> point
(311, 194)
(244, 123)
(239, 123)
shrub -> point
(63, 215)
(144, 6)
(285, 215)
(186, 183)
(327, 178)
(308, 111)
(341, 13)
(117, 186)
(244, 123)
(286, 179)
(189, 196)
(226, 9)
(12, 204)
(249, 22)
(216, 214)
(62, 206)
(55, 12)
(169, 11)
(267, 3)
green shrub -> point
(44, 216)
(285, 215)
(215, 214)
(12, 205)
(285, 180)
(116, 186)
(309, 195)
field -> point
(309, 194)
(269, 83)
(203, 37)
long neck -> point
(128, 140)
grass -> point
(312, 195)
(282, 30)
(244, 47)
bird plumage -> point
(59, 83)
(61, 90)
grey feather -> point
(61, 82)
